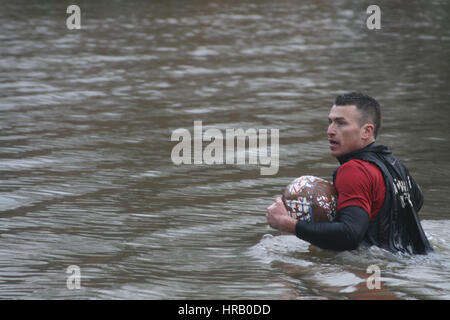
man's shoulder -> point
(358, 164)
(357, 168)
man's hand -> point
(278, 217)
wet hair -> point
(368, 107)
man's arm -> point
(343, 234)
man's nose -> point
(330, 131)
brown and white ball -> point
(311, 198)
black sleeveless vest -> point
(396, 227)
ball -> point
(310, 198)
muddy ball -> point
(311, 198)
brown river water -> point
(86, 119)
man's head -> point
(354, 122)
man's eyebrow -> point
(336, 119)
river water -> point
(86, 118)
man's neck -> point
(345, 157)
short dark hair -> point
(368, 107)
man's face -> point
(344, 131)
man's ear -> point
(367, 131)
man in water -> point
(378, 200)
